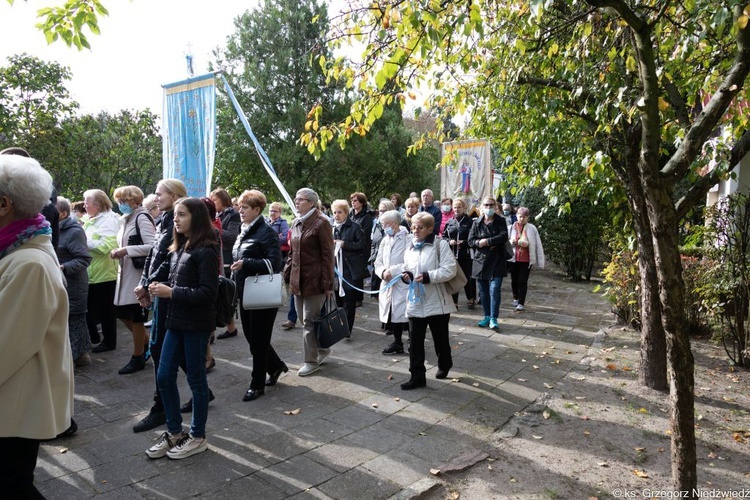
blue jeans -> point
(192, 347)
(489, 291)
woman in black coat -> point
(456, 232)
(352, 259)
(487, 237)
(230, 229)
(256, 248)
(74, 257)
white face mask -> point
(488, 212)
(446, 208)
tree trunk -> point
(667, 263)
(653, 368)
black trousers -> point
(101, 305)
(258, 327)
(519, 280)
(417, 332)
(470, 288)
(349, 301)
(17, 463)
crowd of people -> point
(157, 260)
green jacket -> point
(101, 238)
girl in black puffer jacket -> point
(192, 286)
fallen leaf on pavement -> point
(434, 472)
(537, 437)
(585, 417)
(640, 473)
(603, 464)
(522, 380)
(546, 414)
(513, 480)
(586, 433)
(63, 450)
(456, 380)
(639, 449)
(374, 405)
(611, 366)
(397, 399)
(390, 377)
(475, 384)
(293, 412)
(578, 377)
(548, 386)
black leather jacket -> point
(257, 242)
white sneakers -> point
(519, 307)
(177, 446)
(308, 369)
(515, 302)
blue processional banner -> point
(189, 132)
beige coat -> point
(128, 277)
(36, 364)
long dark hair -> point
(201, 228)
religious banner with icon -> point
(466, 172)
(189, 133)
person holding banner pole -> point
(309, 272)
(351, 262)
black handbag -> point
(332, 325)
(136, 239)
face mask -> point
(389, 231)
(446, 208)
(418, 244)
(488, 212)
(125, 209)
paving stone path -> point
(356, 435)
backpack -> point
(226, 301)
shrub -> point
(622, 281)
(726, 294)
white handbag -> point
(263, 291)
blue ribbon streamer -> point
(388, 285)
(416, 292)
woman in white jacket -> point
(428, 263)
(389, 263)
(528, 252)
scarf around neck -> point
(19, 232)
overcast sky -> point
(142, 46)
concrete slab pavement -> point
(357, 434)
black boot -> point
(154, 419)
(136, 364)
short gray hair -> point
(388, 204)
(26, 183)
(309, 195)
(63, 204)
(391, 216)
